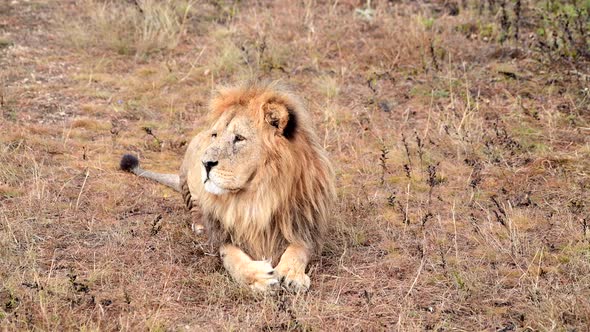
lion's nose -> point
(209, 165)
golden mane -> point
(295, 186)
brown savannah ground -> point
(462, 164)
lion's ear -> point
(279, 116)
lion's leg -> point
(259, 275)
(291, 268)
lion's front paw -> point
(261, 276)
(292, 280)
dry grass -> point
(463, 166)
(134, 27)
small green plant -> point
(559, 27)
(5, 42)
(564, 26)
(367, 13)
(427, 22)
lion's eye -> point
(214, 135)
(239, 138)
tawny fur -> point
(289, 195)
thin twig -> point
(416, 278)
(455, 229)
(82, 189)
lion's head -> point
(248, 128)
(258, 172)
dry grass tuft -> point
(128, 27)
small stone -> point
(384, 106)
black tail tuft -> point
(129, 162)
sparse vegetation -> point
(127, 27)
(459, 130)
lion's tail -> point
(130, 163)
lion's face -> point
(233, 154)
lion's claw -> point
(294, 281)
(262, 277)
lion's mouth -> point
(213, 188)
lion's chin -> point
(214, 189)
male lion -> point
(262, 181)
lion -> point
(263, 183)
